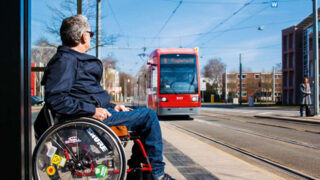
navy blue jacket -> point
(72, 83)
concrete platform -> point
(204, 159)
(290, 117)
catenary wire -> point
(167, 21)
(222, 22)
(255, 14)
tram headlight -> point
(163, 99)
(195, 99)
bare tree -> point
(214, 71)
(247, 69)
(252, 86)
(109, 62)
(68, 8)
(278, 67)
(266, 84)
(109, 66)
(232, 85)
(140, 84)
(125, 83)
(42, 51)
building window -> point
(257, 76)
(243, 85)
(285, 62)
(285, 77)
(293, 79)
(290, 41)
(285, 43)
(290, 60)
(277, 76)
(244, 76)
(244, 94)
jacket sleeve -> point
(59, 81)
(302, 90)
(111, 105)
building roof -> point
(308, 21)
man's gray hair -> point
(72, 29)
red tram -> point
(173, 86)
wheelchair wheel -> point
(84, 148)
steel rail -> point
(270, 163)
(262, 135)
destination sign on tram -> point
(177, 61)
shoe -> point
(164, 177)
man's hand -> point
(121, 108)
(102, 114)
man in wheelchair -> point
(72, 88)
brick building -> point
(297, 54)
(254, 84)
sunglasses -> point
(91, 33)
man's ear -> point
(84, 38)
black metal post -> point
(79, 6)
(315, 58)
(240, 86)
(15, 114)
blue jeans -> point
(146, 124)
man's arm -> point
(59, 81)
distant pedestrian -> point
(305, 93)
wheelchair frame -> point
(139, 172)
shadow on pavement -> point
(175, 118)
(246, 106)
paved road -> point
(292, 144)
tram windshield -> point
(178, 74)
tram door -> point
(152, 87)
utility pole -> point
(315, 58)
(273, 85)
(79, 6)
(226, 87)
(98, 26)
(240, 101)
(98, 18)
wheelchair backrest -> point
(44, 120)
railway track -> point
(262, 135)
(293, 172)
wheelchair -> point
(86, 148)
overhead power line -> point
(169, 18)
(223, 21)
(246, 19)
(213, 32)
(114, 16)
(116, 19)
(230, 2)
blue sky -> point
(139, 21)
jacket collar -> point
(79, 55)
